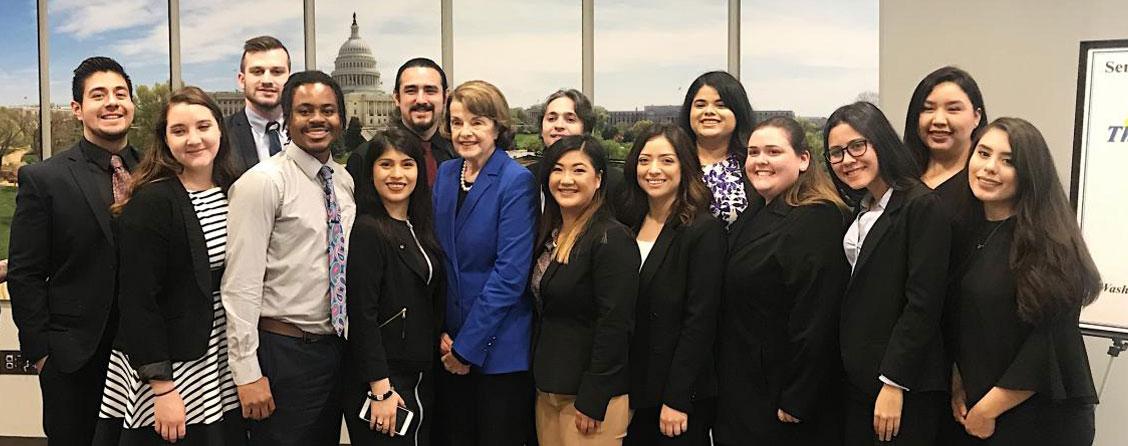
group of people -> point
(731, 285)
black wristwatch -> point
(383, 397)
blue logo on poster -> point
(1118, 133)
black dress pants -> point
(921, 414)
(71, 400)
(645, 429)
(484, 410)
(305, 381)
(1038, 421)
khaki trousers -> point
(556, 422)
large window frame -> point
(310, 40)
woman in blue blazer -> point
(485, 213)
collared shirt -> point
(277, 251)
(258, 129)
(856, 234)
(100, 158)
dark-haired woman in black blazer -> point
(898, 247)
(396, 294)
(786, 271)
(584, 282)
(1025, 373)
(673, 378)
(168, 379)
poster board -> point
(1099, 186)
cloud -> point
(19, 86)
(86, 18)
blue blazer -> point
(488, 246)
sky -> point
(809, 56)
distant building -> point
(229, 101)
(355, 70)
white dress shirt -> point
(277, 251)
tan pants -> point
(556, 422)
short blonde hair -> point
(483, 99)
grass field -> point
(7, 207)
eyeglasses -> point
(855, 148)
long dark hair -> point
(158, 162)
(1052, 268)
(551, 218)
(895, 164)
(368, 201)
(692, 196)
(735, 98)
(916, 104)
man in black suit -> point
(256, 130)
(420, 96)
(63, 277)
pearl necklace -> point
(462, 179)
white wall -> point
(1023, 54)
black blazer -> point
(582, 340)
(395, 315)
(892, 308)
(778, 346)
(441, 149)
(63, 261)
(242, 140)
(676, 315)
(166, 282)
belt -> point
(275, 326)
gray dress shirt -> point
(277, 251)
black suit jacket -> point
(676, 315)
(778, 346)
(165, 280)
(63, 259)
(395, 314)
(582, 340)
(242, 140)
(891, 311)
(441, 149)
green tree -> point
(602, 117)
(148, 103)
(17, 129)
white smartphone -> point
(403, 416)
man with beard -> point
(256, 130)
(284, 288)
(63, 275)
(420, 95)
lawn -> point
(7, 207)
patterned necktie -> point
(337, 254)
(275, 140)
(120, 178)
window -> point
(363, 43)
(212, 33)
(134, 33)
(809, 57)
(19, 105)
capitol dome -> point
(355, 67)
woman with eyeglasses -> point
(1025, 373)
(778, 352)
(718, 118)
(897, 247)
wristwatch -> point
(383, 397)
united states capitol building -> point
(355, 71)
